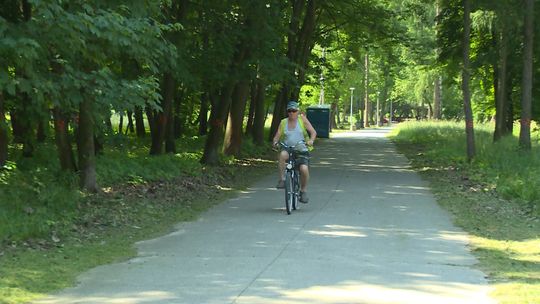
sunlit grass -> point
(495, 198)
(502, 165)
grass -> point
(51, 232)
(495, 199)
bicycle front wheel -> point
(289, 192)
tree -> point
(469, 124)
(526, 99)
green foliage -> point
(29, 193)
(35, 199)
(513, 173)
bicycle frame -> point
(292, 179)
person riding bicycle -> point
(293, 129)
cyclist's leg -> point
(304, 177)
(303, 162)
(282, 159)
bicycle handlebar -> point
(292, 147)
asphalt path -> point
(371, 233)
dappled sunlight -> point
(139, 297)
(411, 187)
(405, 193)
(362, 292)
(453, 236)
(338, 231)
(401, 208)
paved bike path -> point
(372, 233)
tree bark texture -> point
(170, 145)
(63, 143)
(259, 115)
(3, 133)
(233, 135)
(252, 104)
(161, 118)
(139, 122)
(85, 143)
(469, 124)
(203, 114)
(334, 115)
(526, 87)
(500, 96)
(367, 105)
(437, 104)
(27, 126)
(130, 127)
(218, 116)
(178, 126)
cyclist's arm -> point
(311, 131)
(277, 136)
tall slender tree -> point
(469, 124)
(526, 87)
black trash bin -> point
(319, 116)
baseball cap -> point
(292, 105)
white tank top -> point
(292, 137)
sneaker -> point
(303, 197)
(280, 184)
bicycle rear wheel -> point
(296, 190)
(289, 192)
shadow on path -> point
(372, 233)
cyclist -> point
(296, 127)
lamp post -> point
(321, 98)
(378, 114)
(350, 115)
(390, 120)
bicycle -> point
(292, 178)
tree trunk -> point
(177, 117)
(108, 124)
(259, 114)
(217, 119)
(3, 133)
(27, 126)
(139, 122)
(526, 87)
(367, 106)
(469, 125)
(42, 126)
(305, 45)
(299, 45)
(170, 145)
(161, 118)
(509, 107)
(252, 105)
(233, 135)
(437, 106)
(334, 115)
(86, 151)
(121, 123)
(203, 114)
(280, 105)
(130, 126)
(151, 118)
(500, 102)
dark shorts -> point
(302, 158)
